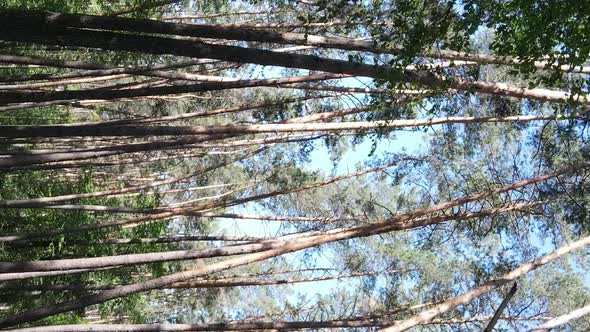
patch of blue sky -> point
(410, 142)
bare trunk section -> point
(8, 97)
(28, 160)
(166, 239)
(278, 247)
(45, 201)
(353, 322)
(195, 210)
(201, 283)
(561, 320)
(92, 69)
(18, 28)
(290, 126)
(233, 32)
(428, 315)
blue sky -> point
(411, 142)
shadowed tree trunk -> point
(19, 27)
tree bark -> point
(278, 247)
(197, 211)
(93, 69)
(428, 315)
(561, 320)
(129, 259)
(289, 126)
(201, 283)
(8, 97)
(61, 20)
(168, 239)
(27, 160)
(353, 322)
(18, 28)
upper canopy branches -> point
(121, 34)
(127, 146)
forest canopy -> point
(294, 165)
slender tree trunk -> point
(503, 305)
(169, 239)
(240, 33)
(428, 315)
(29, 275)
(278, 247)
(18, 28)
(208, 113)
(7, 97)
(10, 271)
(289, 126)
(129, 259)
(145, 6)
(561, 320)
(96, 69)
(200, 17)
(201, 283)
(198, 210)
(353, 322)
(28, 160)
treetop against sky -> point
(308, 165)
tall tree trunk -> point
(19, 28)
(194, 210)
(281, 246)
(428, 315)
(289, 126)
(200, 283)
(561, 320)
(353, 322)
(7, 97)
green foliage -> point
(69, 6)
(138, 8)
(430, 263)
(534, 30)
